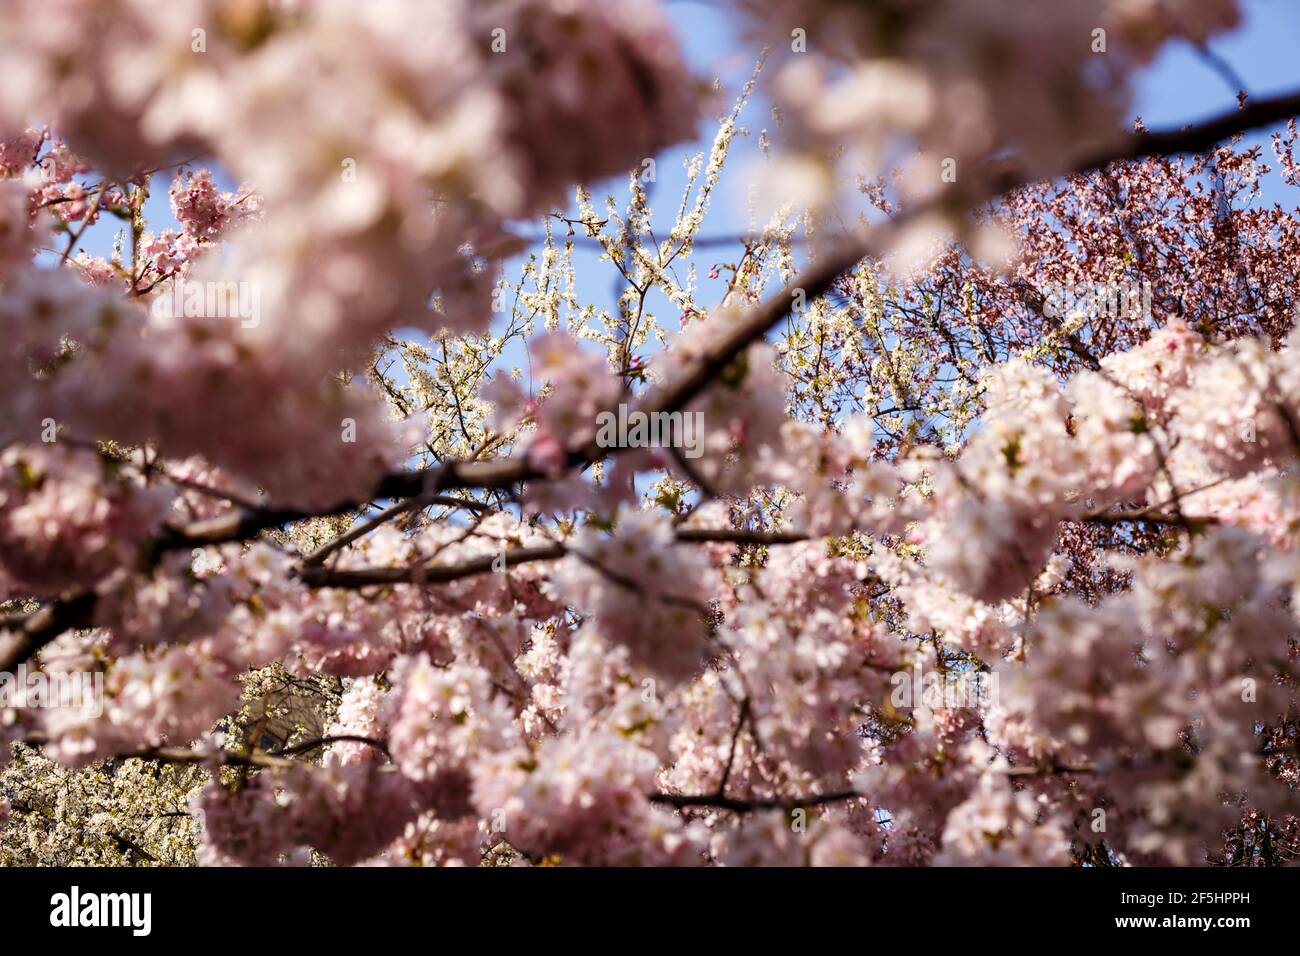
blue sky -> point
(1177, 89)
(1180, 87)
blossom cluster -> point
(359, 592)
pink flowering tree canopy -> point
(346, 516)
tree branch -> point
(434, 573)
(719, 802)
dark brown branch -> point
(740, 536)
(718, 802)
(257, 758)
(363, 528)
(1196, 138)
(1199, 137)
(731, 752)
(180, 755)
(307, 745)
(44, 625)
(435, 573)
(1152, 517)
(124, 844)
(317, 576)
(1048, 771)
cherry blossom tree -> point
(965, 530)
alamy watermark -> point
(1108, 300)
(638, 429)
(934, 691)
(73, 909)
(222, 300)
(33, 689)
